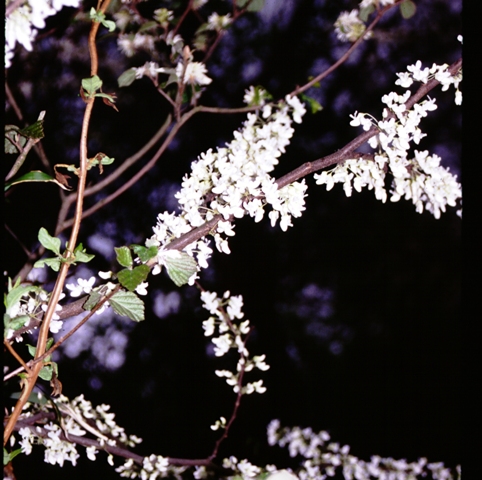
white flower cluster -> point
(79, 417)
(375, 3)
(242, 468)
(349, 27)
(235, 181)
(226, 312)
(22, 24)
(324, 458)
(87, 286)
(153, 466)
(423, 75)
(56, 450)
(421, 179)
(31, 303)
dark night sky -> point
(357, 306)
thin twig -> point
(55, 295)
(347, 54)
(24, 151)
(11, 7)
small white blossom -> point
(219, 22)
(141, 289)
(193, 73)
(349, 27)
(82, 286)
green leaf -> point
(127, 78)
(254, 5)
(31, 350)
(128, 304)
(201, 41)
(34, 176)
(148, 26)
(46, 372)
(9, 456)
(53, 263)
(180, 268)
(16, 293)
(314, 105)
(109, 24)
(14, 323)
(34, 397)
(50, 243)
(124, 256)
(81, 256)
(144, 253)
(132, 278)
(408, 9)
(102, 157)
(106, 95)
(36, 130)
(92, 301)
(92, 84)
(366, 12)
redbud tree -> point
(161, 156)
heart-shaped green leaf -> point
(132, 278)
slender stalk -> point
(55, 295)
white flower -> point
(82, 286)
(222, 344)
(298, 108)
(361, 119)
(18, 25)
(27, 439)
(56, 450)
(349, 27)
(281, 475)
(219, 22)
(195, 73)
(55, 325)
(248, 470)
(91, 452)
(141, 289)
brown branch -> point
(183, 16)
(119, 451)
(16, 355)
(345, 153)
(55, 295)
(150, 164)
(38, 148)
(346, 55)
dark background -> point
(357, 306)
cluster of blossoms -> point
(22, 24)
(421, 179)
(235, 181)
(79, 417)
(325, 458)
(231, 334)
(130, 43)
(153, 466)
(349, 27)
(24, 304)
